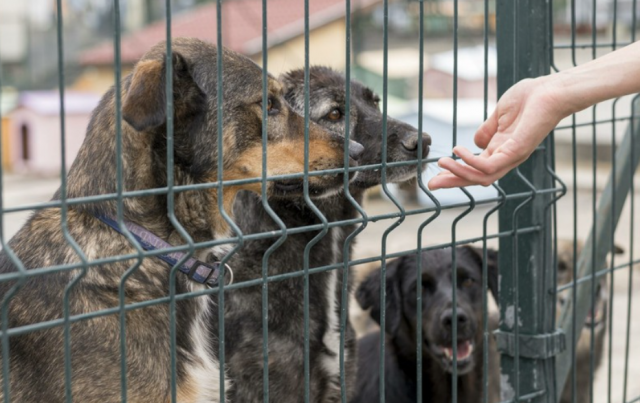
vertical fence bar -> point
(220, 199)
(314, 209)
(387, 192)
(634, 142)
(614, 44)
(346, 249)
(436, 203)
(6, 298)
(64, 226)
(522, 44)
(120, 201)
(171, 214)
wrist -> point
(564, 94)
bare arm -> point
(529, 110)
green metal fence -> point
(538, 347)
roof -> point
(48, 102)
(470, 62)
(241, 27)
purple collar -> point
(200, 272)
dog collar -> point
(196, 270)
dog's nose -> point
(447, 318)
(355, 150)
(410, 144)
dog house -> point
(34, 131)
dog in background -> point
(37, 358)
(437, 319)
(596, 321)
(243, 321)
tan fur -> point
(187, 392)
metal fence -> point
(538, 346)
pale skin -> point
(532, 108)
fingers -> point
(468, 173)
(486, 131)
(447, 180)
(481, 170)
(485, 163)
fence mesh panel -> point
(579, 186)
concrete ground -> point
(21, 191)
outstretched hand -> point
(523, 117)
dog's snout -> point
(447, 318)
(410, 143)
(355, 150)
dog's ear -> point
(492, 267)
(290, 82)
(368, 295)
(144, 105)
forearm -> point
(612, 75)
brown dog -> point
(37, 358)
(595, 322)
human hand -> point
(523, 117)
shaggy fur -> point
(37, 357)
(437, 317)
(243, 321)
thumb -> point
(486, 131)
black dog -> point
(437, 318)
(243, 321)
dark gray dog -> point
(243, 321)
(437, 319)
(36, 358)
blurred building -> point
(33, 135)
(403, 72)
(8, 101)
(470, 65)
(241, 31)
(28, 34)
(586, 13)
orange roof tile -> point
(241, 27)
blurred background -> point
(29, 99)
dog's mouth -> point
(369, 179)
(286, 186)
(595, 317)
(463, 355)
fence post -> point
(526, 337)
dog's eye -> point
(272, 107)
(466, 282)
(334, 114)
